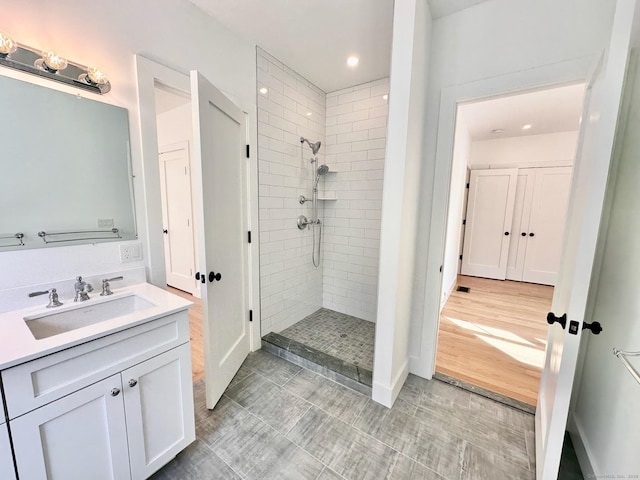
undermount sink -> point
(54, 323)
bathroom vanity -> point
(99, 389)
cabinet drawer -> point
(36, 383)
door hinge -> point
(460, 257)
(248, 151)
(251, 315)
(464, 222)
(249, 236)
(467, 185)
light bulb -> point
(264, 90)
(527, 126)
(97, 76)
(385, 97)
(51, 62)
(353, 61)
(7, 45)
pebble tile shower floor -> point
(348, 338)
(280, 421)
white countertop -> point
(18, 345)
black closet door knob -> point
(506, 234)
(165, 231)
(214, 276)
(200, 277)
(532, 234)
(523, 234)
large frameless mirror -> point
(66, 169)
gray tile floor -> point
(348, 338)
(279, 421)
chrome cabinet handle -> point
(133, 383)
(115, 392)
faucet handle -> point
(106, 290)
(53, 297)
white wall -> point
(290, 286)
(401, 194)
(356, 140)
(469, 46)
(547, 150)
(606, 412)
(457, 196)
(175, 126)
(109, 34)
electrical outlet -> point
(105, 223)
(130, 252)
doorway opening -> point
(511, 175)
(175, 136)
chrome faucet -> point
(82, 289)
(53, 297)
(105, 285)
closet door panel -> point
(547, 224)
(520, 224)
(489, 217)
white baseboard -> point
(581, 447)
(386, 395)
(447, 293)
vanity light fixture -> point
(353, 61)
(7, 45)
(51, 65)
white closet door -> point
(547, 225)
(489, 216)
(520, 225)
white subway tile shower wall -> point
(355, 146)
(292, 107)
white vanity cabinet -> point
(130, 410)
(7, 470)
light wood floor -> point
(195, 332)
(494, 337)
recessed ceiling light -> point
(527, 126)
(497, 130)
(264, 90)
(309, 114)
(385, 96)
(353, 61)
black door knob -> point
(551, 319)
(523, 234)
(595, 327)
(200, 277)
(532, 234)
(506, 233)
(165, 231)
(214, 276)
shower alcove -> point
(321, 317)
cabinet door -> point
(489, 216)
(547, 225)
(520, 225)
(159, 406)
(82, 435)
(7, 470)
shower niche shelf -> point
(327, 198)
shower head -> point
(322, 170)
(314, 146)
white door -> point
(220, 193)
(177, 216)
(546, 225)
(158, 402)
(583, 220)
(82, 435)
(7, 470)
(489, 216)
(519, 227)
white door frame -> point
(422, 361)
(148, 74)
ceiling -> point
(315, 37)
(547, 111)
